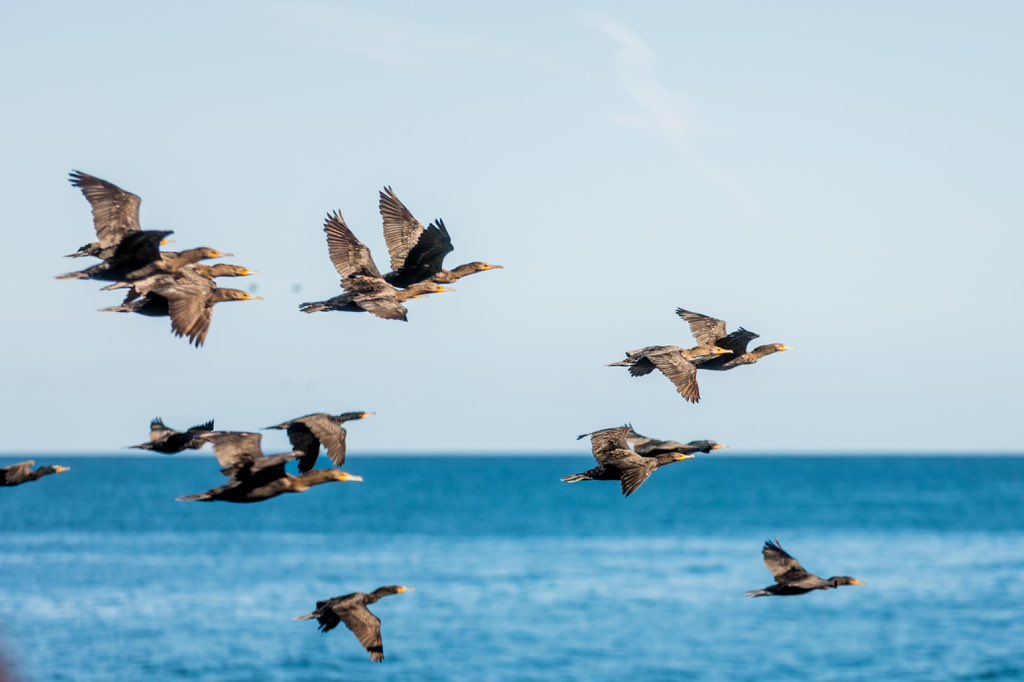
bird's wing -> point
(303, 440)
(365, 626)
(115, 212)
(608, 441)
(634, 475)
(705, 329)
(235, 449)
(383, 306)
(208, 426)
(189, 308)
(780, 563)
(351, 258)
(157, 429)
(427, 257)
(19, 471)
(402, 231)
(680, 372)
(331, 434)
(737, 341)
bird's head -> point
(705, 445)
(205, 252)
(477, 266)
(223, 294)
(838, 580)
(227, 270)
(344, 476)
(352, 416)
(427, 288)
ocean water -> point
(103, 576)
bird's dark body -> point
(791, 578)
(351, 609)
(22, 472)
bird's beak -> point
(494, 267)
(444, 290)
(856, 582)
(683, 458)
(61, 470)
(718, 446)
(349, 478)
(165, 242)
(722, 351)
(785, 348)
(403, 588)
(364, 415)
(249, 273)
(250, 297)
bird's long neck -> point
(417, 289)
(40, 472)
(461, 271)
(379, 594)
(312, 478)
(662, 460)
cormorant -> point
(417, 252)
(708, 330)
(136, 250)
(187, 297)
(678, 364)
(308, 432)
(168, 441)
(115, 214)
(651, 447)
(351, 610)
(790, 577)
(616, 462)
(22, 472)
(255, 477)
(365, 288)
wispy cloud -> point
(660, 109)
(386, 37)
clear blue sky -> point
(844, 178)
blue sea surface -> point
(103, 576)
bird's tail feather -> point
(117, 309)
(757, 593)
(313, 307)
(576, 478)
(621, 363)
(116, 285)
(73, 275)
(308, 616)
(201, 497)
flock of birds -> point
(178, 285)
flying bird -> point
(351, 610)
(22, 472)
(365, 288)
(115, 215)
(417, 252)
(652, 447)
(791, 578)
(617, 462)
(253, 476)
(187, 297)
(308, 432)
(679, 365)
(710, 331)
(168, 441)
